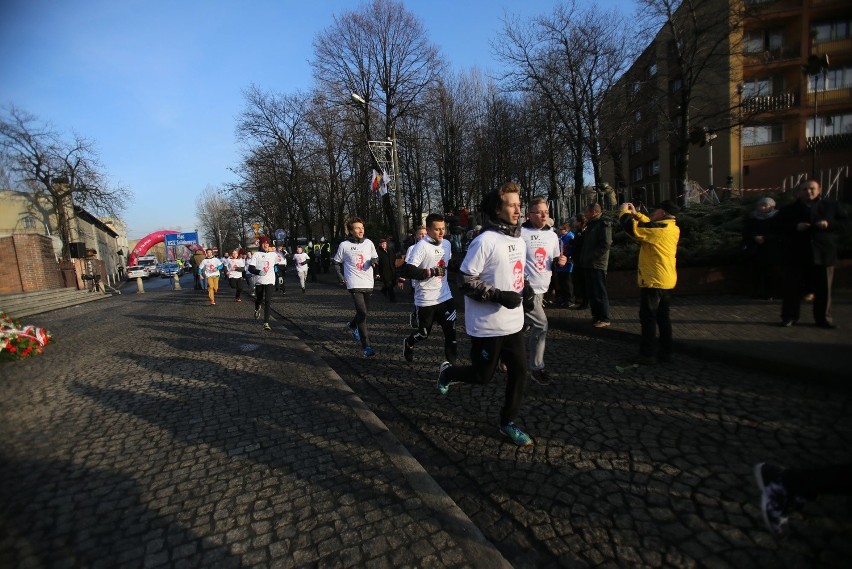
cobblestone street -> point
(159, 431)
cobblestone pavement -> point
(651, 467)
(166, 432)
(160, 431)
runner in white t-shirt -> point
(493, 273)
(426, 264)
(209, 270)
(301, 260)
(236, 267)
(354, 262)
(262, 265)
(543, 250)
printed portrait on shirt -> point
(518, 276)
(540, 259)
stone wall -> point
(28, 264)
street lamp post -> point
(397, 190)
(817, 64)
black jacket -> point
(814, 245)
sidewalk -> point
(739, 331)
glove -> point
(438, 271)
(508, 298)
(262, 273)
(529, 297)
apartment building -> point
(776, 105)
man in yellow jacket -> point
(657, 236)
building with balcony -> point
(776, 103)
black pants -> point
(361, 298)
(596, 294)
(237, 284)
(798, 278)
(263, 293)
(445, 315)
(654, 313)
(485, 354)
(565, 287)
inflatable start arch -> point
(149, 241)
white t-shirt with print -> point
(265, 261)
(498, 260)
(232, 265)
(210, 267)
(542, 248)
(425, 254)
(300, 258)
(356, 260)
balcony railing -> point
(831, 96)
(830, 142)
(834, 47)
(772, 55)
(766, 103)
(766, 151)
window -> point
(637, 85)
(831, 31)
(637, 173)
(833, 79)
(652, 70)
(675, 85)
(763, 40)
(29, 222)
(638, 116)
(653, 135)
(654, 167)
(757, 88)
(762, 134)
(829, 126)
(635, 145)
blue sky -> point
(157, 84)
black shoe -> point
(664, 358)
(540, 377)
(407, 351)
(826, 325)
(787, 323)
(646, 360)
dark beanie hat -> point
(669, 207)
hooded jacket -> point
(657, 249)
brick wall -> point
(28, 264)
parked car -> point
(134, 272)
(168, 270)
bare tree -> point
(570, 58)
(381, 53)
(217, 219)
(64, 173)
(700, 38)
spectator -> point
(762, 249)
(594, 258)
(581, 300)
(657, 236)
(809, 227)
(386, 270)
(564, 273)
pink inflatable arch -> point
(149, 241)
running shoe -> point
(443, 383)
(540, 377)
(515, 433)
(256, 313)
(773, 497)
(369, 352)
(266, 326)
(407, 351)
(354, 331)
